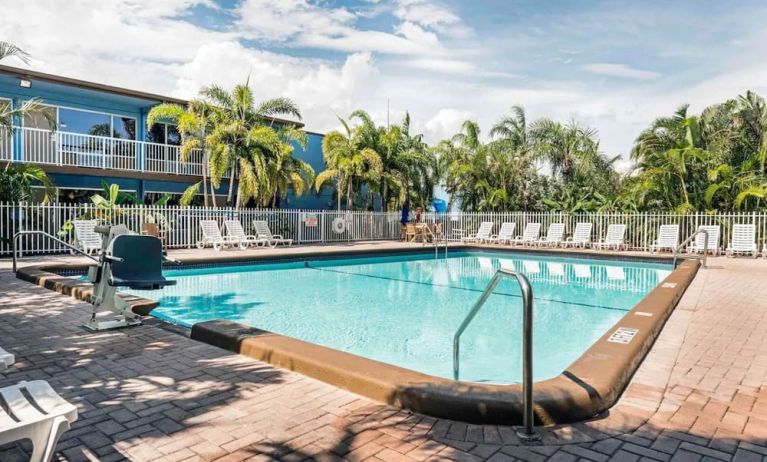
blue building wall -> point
(92, 100)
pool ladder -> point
(687, 241)
(527, 433)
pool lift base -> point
(526, 437)
(126, 260)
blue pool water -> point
(404, 310)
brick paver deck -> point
(151, 394)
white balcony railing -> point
(67, 149)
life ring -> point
(339, 225)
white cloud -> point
(426, 13)
(619, 70)
(446, 123)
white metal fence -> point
(318, 226)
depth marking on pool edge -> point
(623, 335)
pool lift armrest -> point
(127, 260)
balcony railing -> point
(67, 149)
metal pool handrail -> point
(527, 432)
(687, 241)
(50, 236)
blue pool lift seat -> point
(137, 263)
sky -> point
(614, 65)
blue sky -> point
(611, 64)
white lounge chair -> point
(581, 236)
(235, 231)
(34, 411)
(505, 234)
(86, 238)
(263, 232)
(529, 235)
(668, 238)
(6, 359)
(482, 234)
(553, 236)
(211, 234)
(699, 244)
(613, 239)
(743, 241)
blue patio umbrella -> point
(405, 213)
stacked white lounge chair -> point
(529, 235)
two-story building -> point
(101, 135)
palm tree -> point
(347, 163)
(16, 181)
(194, 123)
(7, 112)
(569, 149)
(288, 172)
(243, 139)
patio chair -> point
(410, 232)
(581, 236)
(553, 236)
(86, 238)
(668, 238)
(263, 232)
(613, 239)
(529, 235)
(6, 359)
(234, 231)
(505, 234)
(33, 410)
(153, 229)
(743, 241)
(482, 234)
(211, 234)
(699, 244)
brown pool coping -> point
(589, 386)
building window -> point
(42, 118)
(84, 122)
(163, 134)
(124, 128)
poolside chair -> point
(581, 236)
(613, 239)
(699, 244)
(410, 232)
(482, 234)
(211, 234)
(86, 238)
(235, 231)
(529, 235)
(153, 229)
(505, 234)
(33, 410)
(668, 238)
(263, 232)
(743, 241)
(553, 236)
(6, 359)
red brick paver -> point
(151, 394)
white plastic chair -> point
(699, 244)
(35, 411)
(581, 236)
(234, 231)
(553, 236)
(6, 359)
(482, 234)
(529, 235)
(86, 238)
(743, 241)
(613, 238)
(668, 238)
(211, 234)
(505, 234)
(263, 232)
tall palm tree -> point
(244, 139)
(569, 149)
(347, 163)
(194, 123)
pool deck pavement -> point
(151, 394)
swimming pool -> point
(403, 310)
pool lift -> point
(127, 260)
